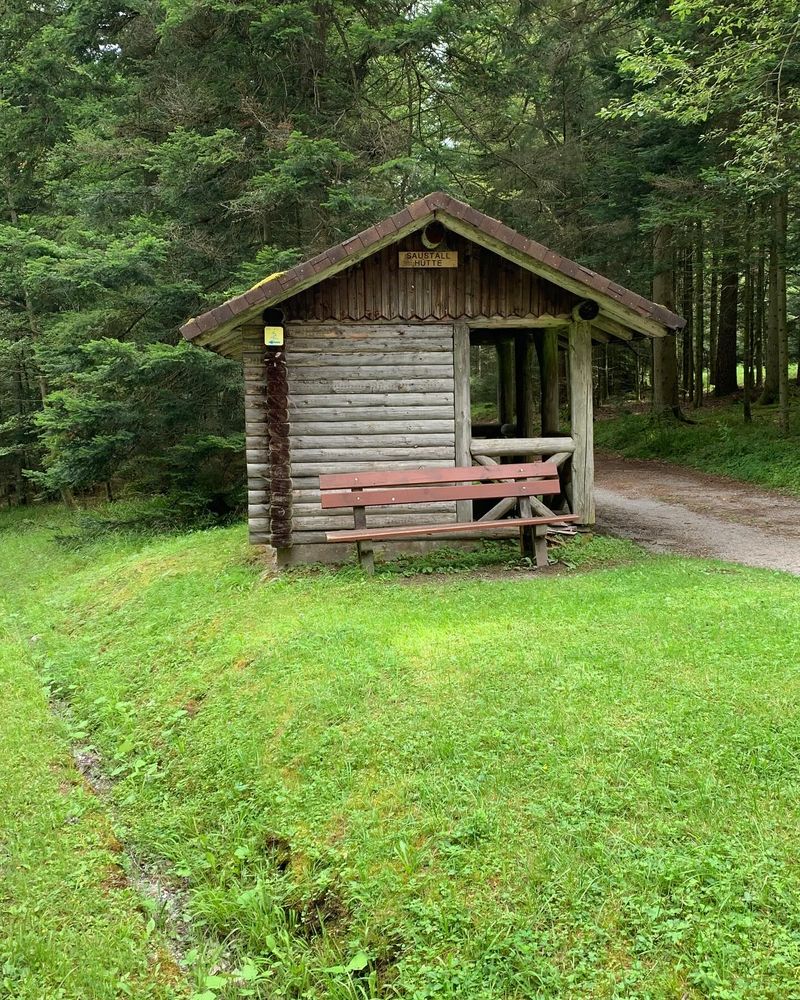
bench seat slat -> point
(385, 534)
(422, 477)
(429, 494)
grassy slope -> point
(580, 786)
(719, 442)
(69, 926)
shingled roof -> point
(619, 304)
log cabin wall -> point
(483, 286)
(367, 397)
(257, 435)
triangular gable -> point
(620, 309)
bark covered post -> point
(256, 433)
(280, 508)
(665, 359)
(547, 350)
(582, 418)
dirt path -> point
(671, 509)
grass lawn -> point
(718, 442)
(576, 785)
(69, 925)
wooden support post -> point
(463, 411)
(582, 417)
(523, 381)
(256, 434)
(547, 351)
(505, 381)
(526, 546)
(366, 555)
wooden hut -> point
(360, 359)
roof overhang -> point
(623, 313)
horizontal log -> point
(347, 348)
(378, 454)
(303, 504)
(320, 372)
(259, 538)
(372, 360)
(439, 529)
(370, 417)
(367, 385)
(378, 401)
(374, 440)
(257, 522)
(307, 470)
(521, 446)
(332, 523)
(365, 331)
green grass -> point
(69, 924)
(582, 785)
(719, 442)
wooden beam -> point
(525, 322)
(611, 326)
(212, 337)
(462, 406)
(522, 446)
(581, 417)
(610, 306)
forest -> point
(162, 156)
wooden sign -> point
(273, 336)
(429, 258)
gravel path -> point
(667, 508)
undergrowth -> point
(718, 442)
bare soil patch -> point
(667, 508)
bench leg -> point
(366, 557)
(540, 545)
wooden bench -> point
(521, 483)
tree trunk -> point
(772, 357)
(665, 358)
(758, 323)
(699, 323)
(505, 382)
(687, 339)
(781, 212)
(713, 318)
(726, 380)
(748, 319)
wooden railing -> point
(486, 451)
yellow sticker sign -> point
(428, 258)
(273, 336)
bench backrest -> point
(371, 489)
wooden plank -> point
(375, 361)
(425, 494)
(320, 372)
(368, 384)
(378, 534)
(462, 406)
(505, 506)
(378, 454)
(368, 420)
(389, 403)
(365, 331)
(581, 417)
(302, 470)
(426, 477)
(521, 446)
(349, 348)
(333, 522)
(377, 442)
(616, 310)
